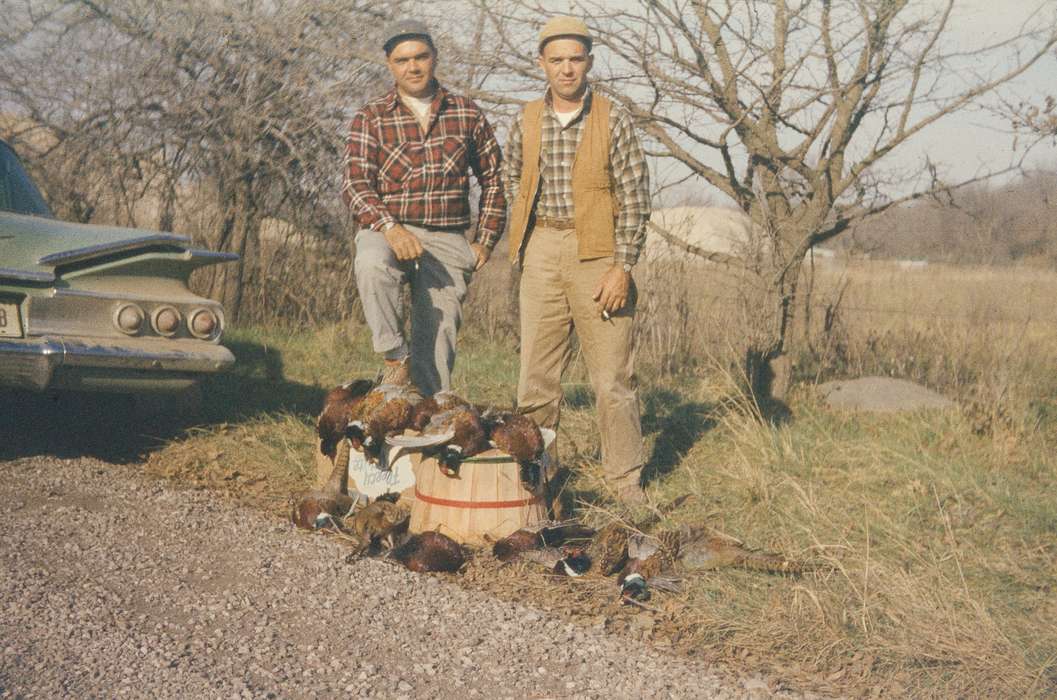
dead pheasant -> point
(609, 548)
(438, 403)
(451, 436)
(703, 552)
(520, 437)
(429, 551)
(648, 557)
(379, 520)
(543, 535)
(567, 560)
(652, 556)
(386, 410)
(325, 508)
(340, 406)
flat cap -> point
(405, 29)
(564, 26)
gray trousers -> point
(438, 288)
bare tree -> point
(244, 101)
(790, 109)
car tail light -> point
(203, 323)
(129, 319)
(166, 321)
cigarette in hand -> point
(416, 264)
(605, 315)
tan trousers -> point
(556, 298)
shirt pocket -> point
(454, 155)
(397, 165)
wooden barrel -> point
(487, 497)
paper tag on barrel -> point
(373, 482)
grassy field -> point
(937, 531)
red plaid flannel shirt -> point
(394, 175)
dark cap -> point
(405, 29)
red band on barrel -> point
(433, 500)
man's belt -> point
(560, 224)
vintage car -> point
(98, 308)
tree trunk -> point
(241, 222)
(768, 366)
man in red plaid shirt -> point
(407, 164)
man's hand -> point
(482, 253)
(612, 290)
(405, 244)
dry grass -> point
(939, 530)
(941, 565)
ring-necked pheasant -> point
(325, 509)
(451, 435)
(548, 534)
(381, 520)
(520, 437)
(429, 551)
(609, 548)
(567, 560)
(702, 551)
(651, 556)
(438, 403)
(385, 410)
(340, 406)
(648, 557)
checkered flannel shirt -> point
(631, 178)
(395, 175)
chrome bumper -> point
(127, 364)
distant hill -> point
(1009, 223)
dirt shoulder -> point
(114, 584)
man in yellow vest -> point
(577, 177)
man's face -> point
(412, 63)
(566, 63)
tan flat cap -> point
(564, 26)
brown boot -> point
(396, 372)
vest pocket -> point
(596, 185)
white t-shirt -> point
(565, 117)
(419, 106)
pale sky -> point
(972, 140)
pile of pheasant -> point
(448, 427)
(360, 415)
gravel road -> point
(113, 585)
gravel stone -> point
(112, 584)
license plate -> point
(10, 321)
